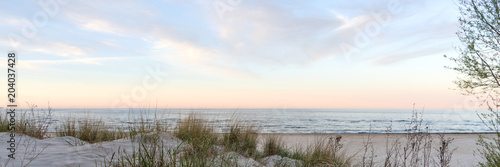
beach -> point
(465, 144)
(69, 151)
(390, 83)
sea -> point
(290, 121)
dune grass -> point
(241, 138)
(95, 130)
(4, 124)
(274, 145)
(150, 152)
(143, 123)
(201, 146)
(34, 122)
(324, 152)
(89, 130)
(155, 153)
(327, 152)
(198, 134)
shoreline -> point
(98, 136)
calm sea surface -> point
(290, 120)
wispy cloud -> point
(266, 33)
(58, 49)
(97, 25)
(39, 64)
(263, 41)
(96, 61)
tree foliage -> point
(479, 56)
(479, 62)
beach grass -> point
(327, 152)
(35, 122)
(202, 146)
(241, 138)
(4, 124)
(89, 130)
(199, 147)
(274, 145)
(198, 133)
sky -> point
(233, 53)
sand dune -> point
(69, 151)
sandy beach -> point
(69, 151)
(465, 144)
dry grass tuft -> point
(4, 123)
(198, 133)
(34, 122)
(241, 138)
(274, 145)
(89, 130)
(327, 152)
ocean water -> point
(290, 120)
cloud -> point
(106, 17)
(97, 25)
(58, 49)
(9, 20)
(170, 41)
(264, 32)
(259, 33)
(40, 63)
(184, 51)
(197, 59)
(272, 33)
(404, 55)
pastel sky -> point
(233, 53)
